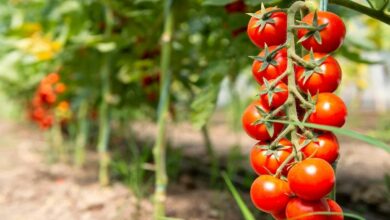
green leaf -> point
(217, 2)
(353, 134)
(241, 204)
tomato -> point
(298, 207)
(236, 6)
(332, 35)
(265, 160)
(51, 78)
(329, 110)
(258, 131)
(311, 179)
(271, 71)
(325, 147)
(334, 207)
(60, 88)
(273, 31)
(279, 215)
(278, 94)
(326, 81)
(270, 194)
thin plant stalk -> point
(82, 134)
(159, 149)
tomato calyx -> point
(315, 68)
(264, 17)
(268, 58)
(266, 116)
(270, 90)
(313, 30)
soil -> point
(30, 188)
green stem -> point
(381, 15)
(82, 134)
(211, 154)
(302, 62)
(159, 149)
(291, 107)
(104, 124)
(324, 5)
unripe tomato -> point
(273, 32)
(329, 110)
(265, 160)
(258, 131)
(270, 194)
(278, 97)
(311, 179)
(298, 207)
(326, 147)
(332, 36)
(326, 81)
(271, 71)
(334, 207)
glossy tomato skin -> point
(270, 194)
(278, 98)
(298, 207)
(334, 207)
(329, 110)
(327, 81)
(268, 164)
(311, 179)
(271, 72)
(326, 147)
(332, 35)
(272, 33)
(259, 131)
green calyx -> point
(316, 67)
(313, 30)
(270, 91)
(264, 17)
(268, 58)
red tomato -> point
(297, 207)
(271, 71)
(332, 36)
(326, 147)
(334, 207)
(60, 88)
(273, 32)
(311, 179)
(265, 160)
(259, 131)
(279, 215)
(329, 110)
(270, 194)
(236, 6)
(327, 81)
(279, 95)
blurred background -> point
(80, 85)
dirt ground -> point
(30, 189)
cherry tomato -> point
(270, 194)
(258, 131)
(279, 215)
(279, 95)
(311, 179)
(271, 71)
(298, 207)
(273, 32)
(326, 81)
(265, 160)
(236, 6)
(325, 147)
(334, 207)
(332, 36)
(329, 110)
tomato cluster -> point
(45, 102)
(294, 163)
